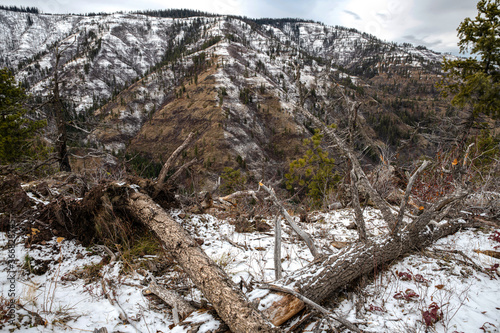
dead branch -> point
(277, 248)
(358, 213)
(300, 322)
(48, 161)
(404, 201)
(112, 301)
(467, 154)
(468, 261)
(302, 234)
(170, 162)
(112, 256)
(312, 304)
(242, 247)
(170, 297)
(240, 194)
(179, 171)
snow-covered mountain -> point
(236, 81)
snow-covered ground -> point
(66, 298)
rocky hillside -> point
(148, 81)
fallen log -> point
(228, 300)
(320, 279)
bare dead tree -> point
(62, 137)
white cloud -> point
(384, 19)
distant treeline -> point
(173, 13)
(184, 13)
(280, 21)
(32, 10)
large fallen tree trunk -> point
(319, 280)
(229, 302)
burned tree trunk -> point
(61, 147)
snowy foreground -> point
(436, 284)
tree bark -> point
(229, 302)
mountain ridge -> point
(123, 69)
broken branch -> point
(170, 297)
(170, 162)
(404, 201)
(302, 234)
(312, 304)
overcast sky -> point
(431, 23)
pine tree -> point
(314, 171)
(16, 130)
(475, 81)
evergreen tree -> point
(475, 81)
(16, 131)
(313, 171)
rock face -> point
(139, 84)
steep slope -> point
(236, 82)
(100, 55)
